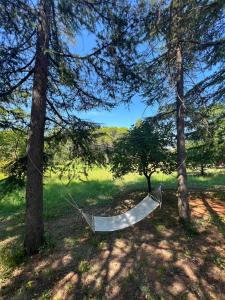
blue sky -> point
(121, 116)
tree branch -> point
(160, 115)
(55, 122)
(24, 42)
(20, 70)
(74, 56)
(13, 88)
(56, 112)
(205, 44)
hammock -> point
(131, 217)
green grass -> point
(10, 257)
(83, 267)
(2, 176)
(99, 189)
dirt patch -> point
(202, 206)
(155, 259)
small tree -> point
(144, 149)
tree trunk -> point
(183, 205)
(202, 170)
(34, 226)
(148, 177)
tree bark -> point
(183, 204)
(202, 170)
(34, 226)
(148, 178)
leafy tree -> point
(144, 149)
(13, 158)
(180, 38)
(200, 155)
(64, 158)
(106, 138)
(12, 145)
(40, 71)
(107, 135)
(206, 137)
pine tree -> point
(39, 70)
(179, 39)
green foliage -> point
(95, 149)
(46, 295)
(11, 257)
(16, 169)
(30, 284)
(161, 272)
(83, 267)
(71, 242)
(12, 145)
(108, 135)
(220, 262)
(206, 140)
(76, 81)
(144, 149)
(174, 37)
(98, 240)
(198, 27)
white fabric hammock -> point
(131, 217)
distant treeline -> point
(13, 145)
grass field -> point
(155, 259)
(98, 189)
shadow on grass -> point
(93, 192)
(91, 195)
(216, 180)
(155, 259)
(215, 218)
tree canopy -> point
(146, 149)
